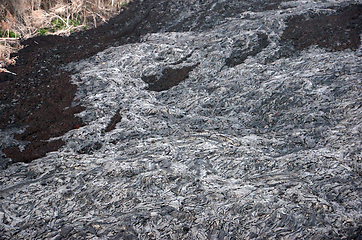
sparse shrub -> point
(27, 18)
(57, 23)
(8, 34)
(42, 31)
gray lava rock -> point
(247, 142)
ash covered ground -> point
(191, 120)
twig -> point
(61, 19)
(8, 39)
(6, 71)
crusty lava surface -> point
(40, 96)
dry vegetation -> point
(22, 19)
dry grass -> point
(7, 47)
(28, 18)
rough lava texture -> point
(201, 120)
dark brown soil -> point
(334, 32)
(170, 77)
(115, 119)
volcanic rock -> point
(198, 119)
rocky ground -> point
(188, 120)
